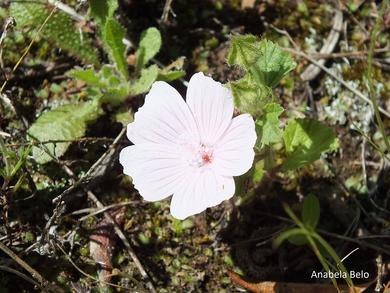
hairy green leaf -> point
(148, 47)
(101, 10)
(115, 95)
(124, 116)
(143, 84)
(250, 97)
(273, 63)
(59, 29)
(244, 51)
(170, 75)
(105, 84)
(89, 76)
(113, 36)
(265, 64)
(268, 125)
(305, 140)
(311, 211)
(67, 122)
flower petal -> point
(234, 152)
(163, 118)
(212, 106)
(199, 191)
(156, 170)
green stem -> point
(322, 260)
(375, 32)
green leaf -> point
(148, 47)
(105, 84)
(124, 116)
(59, 29)
(311, 211)
(270, 157)
(115, 96)
(250, 97)
(288, 234)
(265, 64)
(298, 239)
(101, 10)
(273, 63)
(292, 215)
(264, 60)
(305, 140)
(6, 170)
(258, 172)
(355, 183)
(268, 125)
(113, 36)
(67, 122)
(333, 254)
(143, 84)
(22, 154)
(89, 76)
(244, 51)
(170, 75)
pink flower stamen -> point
(206, 154)
(203, 156)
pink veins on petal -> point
(189, 149)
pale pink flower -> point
(191, 149)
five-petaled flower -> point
(191, 149)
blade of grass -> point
(289, 211)
(372, 95)
(287, 234)
(30, 45)
(322, 260)
(335, 257)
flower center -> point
(202, 156)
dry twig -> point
(334, 76)
(124, 240)
(353, 54)
(95, 211)
(8, 25)
(167, 9)
(97, 170)
(312, 71)
(43, 283)
(23, 276)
